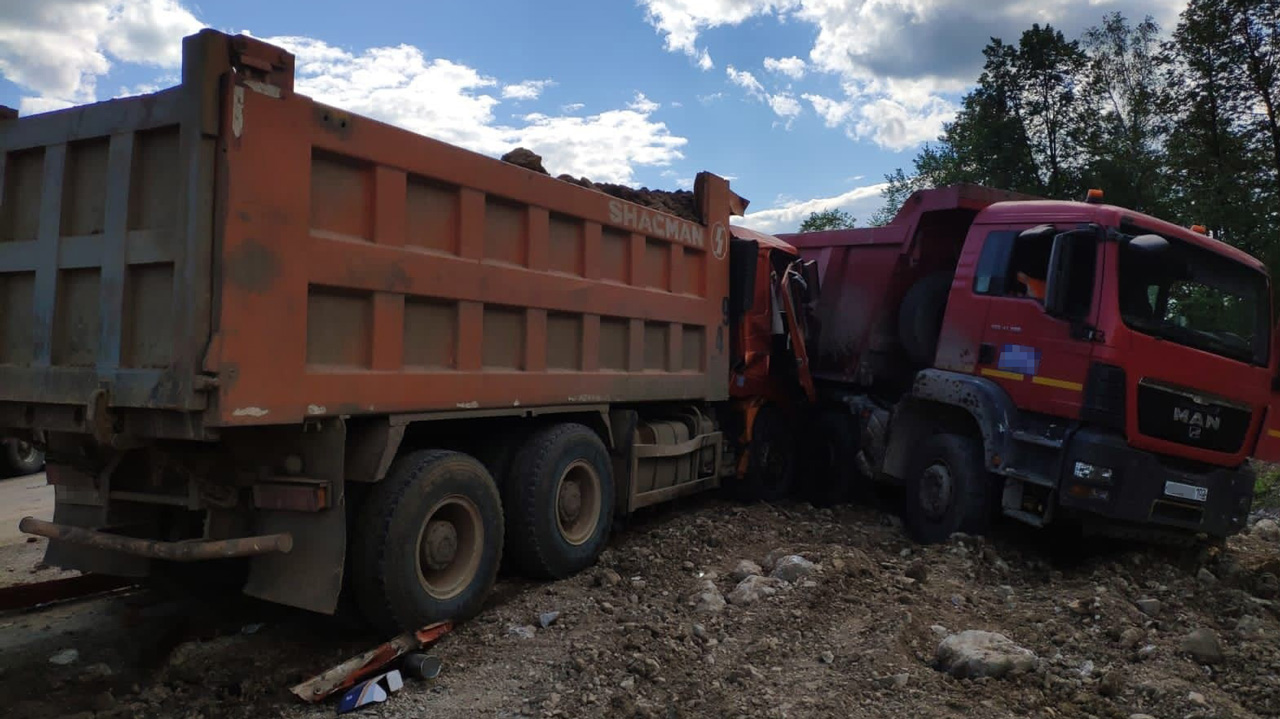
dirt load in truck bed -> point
(673, 202)
(854, 635)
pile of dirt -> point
(714, 609)
(680, 203)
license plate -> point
(1186, 491)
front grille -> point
(1186, 417)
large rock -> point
(1267, 529)
(526, 158)
(753, 589)
(746, 568)
(974, 653)
(706, 597)
(792, 568)
(1203, 646)
(1149, 606)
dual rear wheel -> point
(429, 538)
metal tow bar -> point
(190, 551)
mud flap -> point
(310, 576)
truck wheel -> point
(832, 476)
(948, 490)
(23, 457)
(560, 502)
(428, 541)
(920, 317)
(771, 459)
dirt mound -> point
(680, 203)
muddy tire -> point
(948, 490)
(22, 458)
(428, 541)
(920, 317)
(559, 502)
(771, 459)
(831, 473)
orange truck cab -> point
(1053, 359)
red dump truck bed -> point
(237, 253)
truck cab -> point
(1143, 347)
(1076, 358)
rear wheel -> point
(920, 317)
(23, 457)
(559, 501)
(771, 458)
(948, 490)
(428, 541)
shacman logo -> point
(1196, 422)
(719, 241)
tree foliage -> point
(1184, 124)
(833, 219)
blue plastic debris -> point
(371, 691)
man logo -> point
(719, 241)
(1196, 422)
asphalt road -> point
(21, 497)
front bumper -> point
(1139, 491)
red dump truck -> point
(245, 325)
(995, 353)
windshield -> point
(1197, 298)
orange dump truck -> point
(244, 325)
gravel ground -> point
(674, 623)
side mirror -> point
(1148, 244)
(1058, 282)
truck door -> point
(1041, 360)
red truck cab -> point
(1102, 362)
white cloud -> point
(527, 90)
(680, 21)
(676, 103)
(897, 127)
(713, 97)
(901, 63)
(746, 81)
(792, 67)
(643, 104)
(456, 103)
(783, 104)
(57, 49)
(572, 107)
(861, 202)
(833, 112)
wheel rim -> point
(936, 489)
(449, 547)
(26, 452)
(578, 502)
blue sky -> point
(804, 104)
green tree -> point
(1126, 99)
(833, 219)
(1217, 173)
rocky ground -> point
(714, 609)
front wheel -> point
(428, 541)
(948, 490)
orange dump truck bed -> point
(237, 254)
